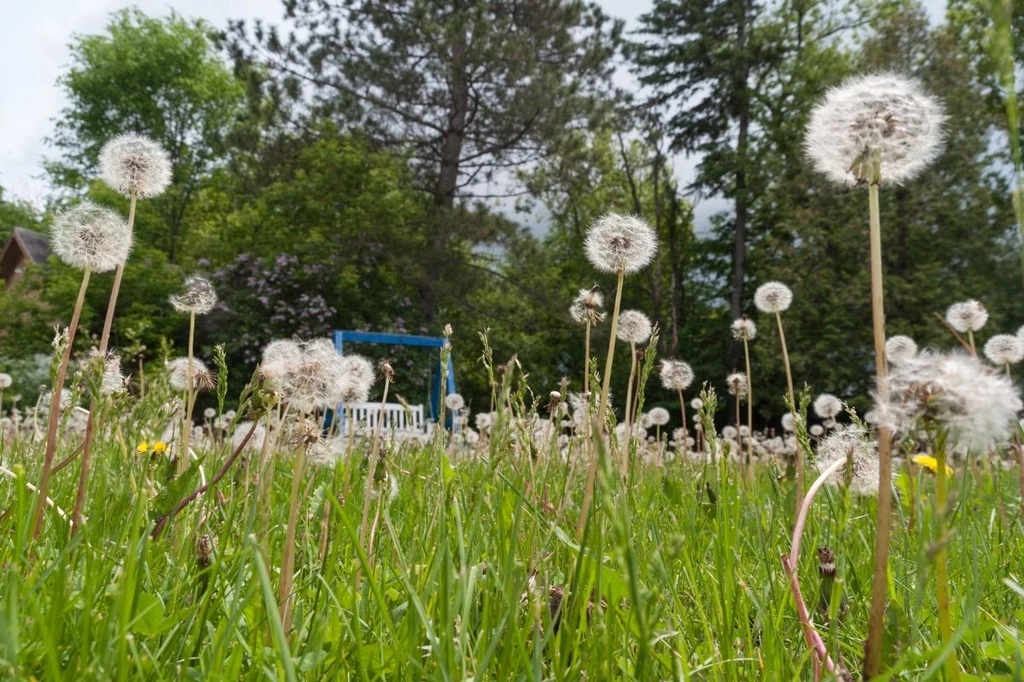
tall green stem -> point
(288, 561)
(58, 388)
(624, 451)
(879, 584)
(586, 363)
(602, 407)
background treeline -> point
(396, 166)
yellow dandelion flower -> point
(930, 463)
(159, 446)
(143, 448)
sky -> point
(34, 38)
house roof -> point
(37, 246)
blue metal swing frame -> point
(341, 337)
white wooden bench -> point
(394, 417)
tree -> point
(725, 68)
(158, 77)
(469, 89)
(16, 213)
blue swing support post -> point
(341, 337)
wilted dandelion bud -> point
(773, 297)
(973, 403)
(827, 406)
(658, 416)
(737, 383)
(618, 242)
(870, 128)
(851, 443)
(5, 381)
(1004, 349)
(744, 329)
(676, 375)
(634, 327)
(89, 236)
(967, 316)
(133, 164)
(199, 297)
(454, 402)
(204, 551)
(177, 375)
(899, 349)
(586, 307)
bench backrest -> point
(394, 416)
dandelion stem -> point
(941, 570)
(876, 620)
(586, 363)
(602, 407)
(792, 402)
(55, 400)
(190, 391)
(750, 406)
(682, 413)
(624, 454)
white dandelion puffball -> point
(90, 236)
(618, 242)
(279, 358)
(586, 307)
(696, 403)
(850, 443)
(737, 383)
(658, 416)
(773, 297)
(788, 422)
(1004, 349)
(255, 441)
(744, 329)
(827, 406)
(883, 116)
(973, 403)
(634, 327)
(454, 402)
(729, 432)
(199, 297)
(358, 377)
(134, 164)
(899, 349)
(967, 316)
(314, 381)
(177, 373)
(5, 381)
(113, 380)
(209, 413)
(816, 430)
(676, 375)
(1020, 333)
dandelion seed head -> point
(135, 164)
(279, 358)
(773, 297)
(634, 327)
(899, 349)
(827, 406)
(658, 416)
(816, 430)
(255, 442)
(729, 432)
(620, 242)
(843, 444)
(1004, 349)
(696, 404)
(967, 316)
(5, 380)
(177, 375)
(313, 382)
(113, 380)
(676, 375)
(199, 297)
(788, 422)
(358, 377)
(90, 236)
(454, 402)
(209, 413)
(884, 116)
(737, 383)
(744, 329)
(586, 307)
(973, 403)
